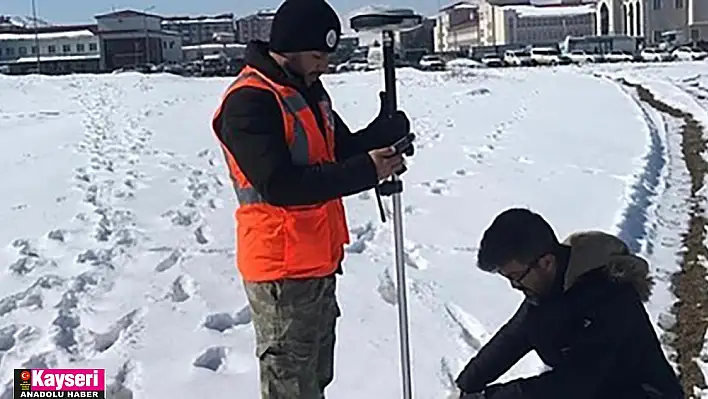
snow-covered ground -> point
(117, 218)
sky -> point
(82, 11)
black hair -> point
(516, 234)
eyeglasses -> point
(516, 281)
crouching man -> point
(583, 315)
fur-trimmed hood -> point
(590, 250)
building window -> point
(679, 3)
(66, 48)
(657, 4)
(172, 44)
(51, 49)
(33, 50)
(9, 51)
(80, 48)
(23, 50)
(695, 35)
(510, 27)
(93, 47)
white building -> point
(74, 49)
(456, 27)
(654, 19)
(255, 26)
(202, 29)
(535, 25)
(472, 23)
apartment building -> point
(255, 26)
(655, 20)
(131, 37)
(456, 27)
(55, 50)
(202, 29)
(419, 40)
(474, 23)
(537, 25)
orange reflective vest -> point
(274, 242)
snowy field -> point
(117, 218)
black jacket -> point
(593, 332)
(252, 130)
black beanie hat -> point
(305, 25)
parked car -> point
(563, 59)
(462, 63)
(653, 54)
(517, 58)
(354, 64)
(545, 56)
(685, 53)
(492, 60)
(431, 63)
(581, 57)
(619, 56)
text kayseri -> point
(58, 381)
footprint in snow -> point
(117, 388)
(171, 260)
(224, 321)
(57, 235)
(27, 264)
(104, 341)
(200, 236)
(181, 289)
(182, 218)
(478, 157)
(364, 234)
(437, 187)
(387, 288)
(212, 358)
(413, 257)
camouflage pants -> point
(295, 323)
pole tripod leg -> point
(387, 22)
(402, 296)
(390, 85)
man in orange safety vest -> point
(291, 159)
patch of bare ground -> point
(689, 285)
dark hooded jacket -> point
(593, 332)
(252, 130)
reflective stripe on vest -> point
(299, 149)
